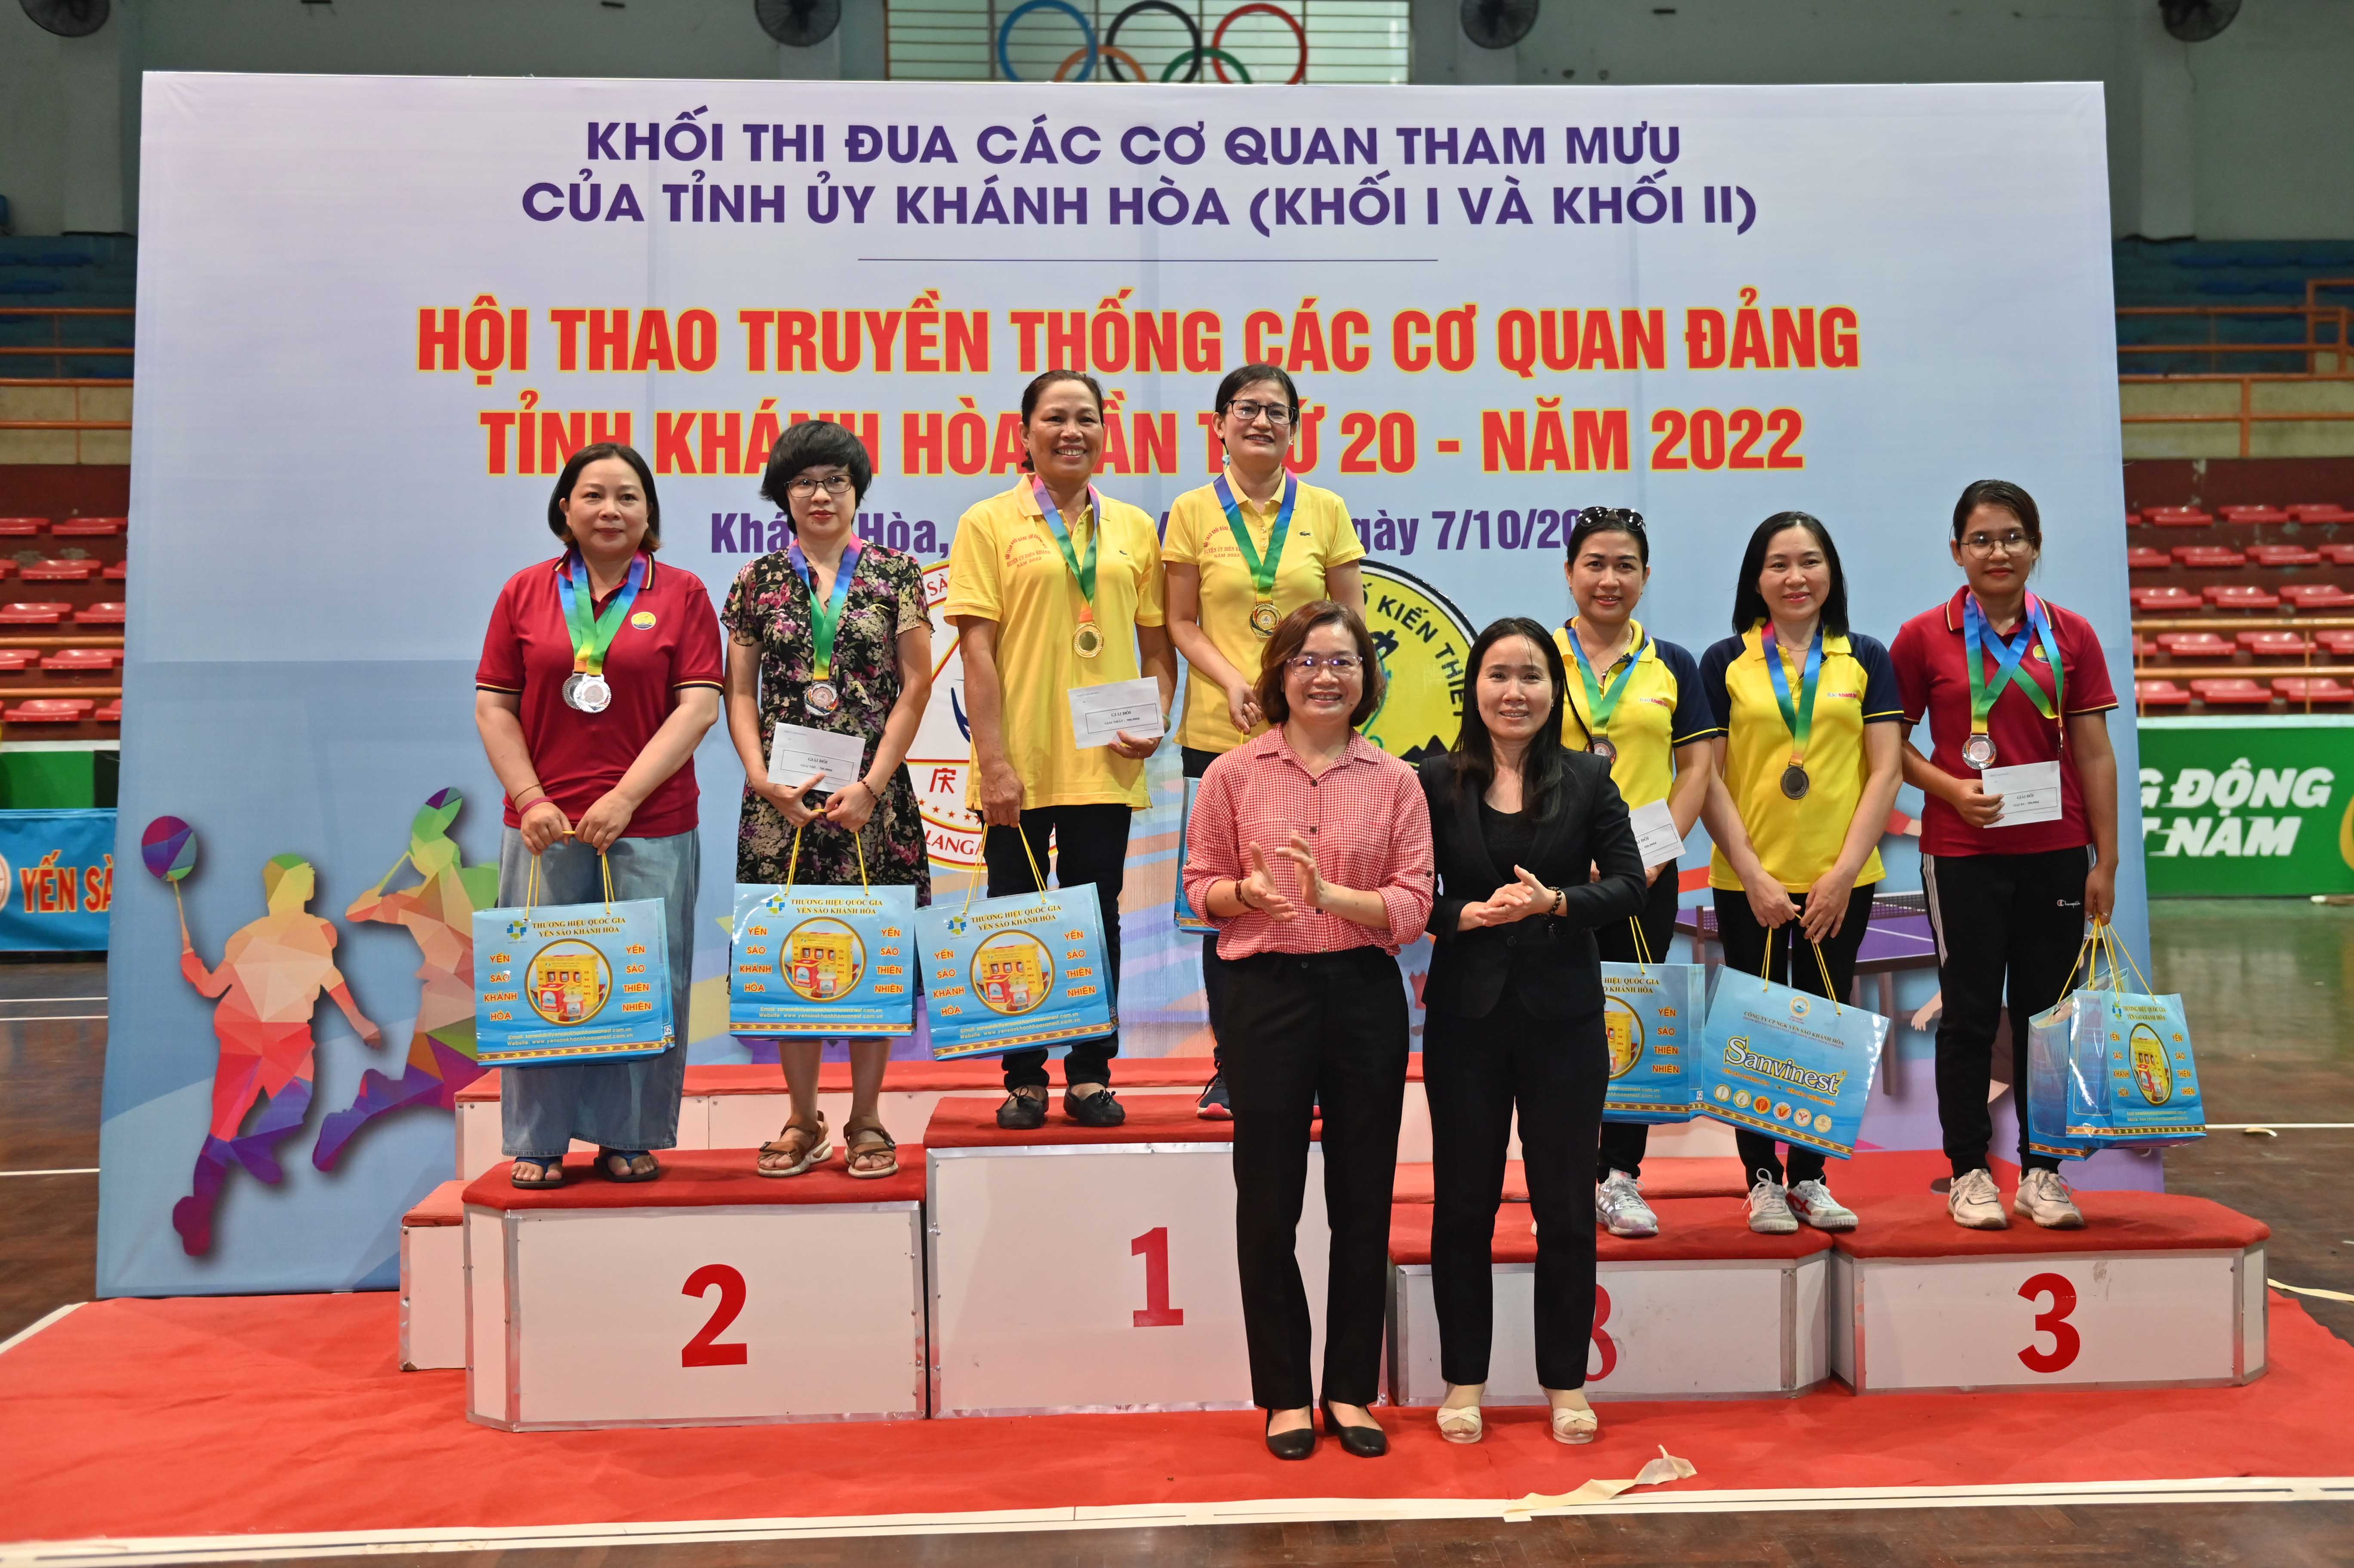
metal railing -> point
(2247, 417)
(2329, 332)
(57, 350)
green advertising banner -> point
(2260, 805)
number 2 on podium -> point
(1152, 1246)
(703, 1350)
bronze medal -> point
(1795, 782)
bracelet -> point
(532, 789)
(1241, 899)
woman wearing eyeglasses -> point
(1310, 852)
(2020, 782)
(1243, 552)
(1635, 701)
(830, 633)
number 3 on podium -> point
(2066, 1340)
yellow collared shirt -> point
(1660, 710)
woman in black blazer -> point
(1534, 850)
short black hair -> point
(2001, 492)
(1045, 378)
(598, 452)
(814, 443)
(1593, 520)
(1749, 605)
(1243, 376)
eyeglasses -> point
(1307, 664)
(1248, 412)
(2011, 544)
(837, 484)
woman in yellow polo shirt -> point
(1805, 771)
(1243, 552)
(1051, 586)
(1636, 700)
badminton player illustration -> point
(438, 913)
(270, 974)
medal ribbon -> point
(591, 639)
(1262, 572)
(1085, 571)
(1801, 716)
(1601, 699)
(2010, 661)
(825, 620)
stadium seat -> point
(21, 527)
(2244, 596)
(2338, 644)
(50, 710)
(2176, 517)
(60, 571)
(2166, 600)
(2252, 514)
(2193, 645)
(2320, 511)
(118, 572)
(2142, 647)
(34, 613)
(2337, 555)
(2143, 559)
(17, 661)
(2208, 557)
(110, 613)
(110, 713)
(88, 663)
(2312, 691)
(2160, 694)
(2283, 555)
(2235, 692)
(2316, 596)
(88, 527)
(2263, 645)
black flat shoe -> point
(1097, 1109)
(1297, 1444)
(1023, 1111)
(1364, 1442)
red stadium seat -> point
(118, 572)
(110, 713)
(2283, 555)
(50, 710)
(2315, 690)
(2132, 516)
(2263, 645)
(2160, 694)
(21, 527)
(2241, 595)
(17, 661)
(60, 571)
(2316, 596)
(2320, 511)
(2252, 514)
(2142, 647)
(88, 661)
(2337, 555)
(2164, 600)
(88, 527)
(2236, 691)
(2142, 558)
(110, 613)
(31, 613)
(2176, 517)
(2339, 644)
(2208, 557)
(2193, 645)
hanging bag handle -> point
(1642, 948)
(2116, 945)
(1822, 965)
(973, 882)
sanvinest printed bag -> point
(821, 961)
(1650, 1011)
(571, 982)
(1005, 974)
(1188, 920)
(1784, 1062)
(2131, 1074)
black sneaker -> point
(1213, 1106)
(1024, 1110)
(1097, 1109)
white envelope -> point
(1099, 714)
(796, 753)
(1656, 835)
(2031, 792)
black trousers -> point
(1475, 1070)
(1197, 762)
(1622, 1142)
(1090, 846)
(1297, 1029)
(1745, 948)
(2022, 914)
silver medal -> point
(589, 693)
(1979, 750)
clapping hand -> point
(1303, 856)
(1517, 900)
(1258, 890)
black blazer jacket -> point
(1559, 974)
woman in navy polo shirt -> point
(592, 736)
(2007, 680)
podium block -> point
(1706, 1310)
(433, 1282)
(2156, 1290)
(1074, 1269)
(479, 1133)
(710, 1297)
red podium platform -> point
(2157, 1289)
(1082, 1270)
(712, 1296)
(433, 1281)
(1706, 1310)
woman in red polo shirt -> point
(600, 673)
(2020, 780)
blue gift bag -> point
(1187, 920)
(2131, 1074)
(1796, 1066)
(1007, 974)
(2049, 1041)
(821, 961)
(571, 982)
(1650, 1012)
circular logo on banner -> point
(1012, 974)
(2151, 1072)
(1422, 641)
(1623, 1028)
(821, 961)
(568, 982)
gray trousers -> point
(631, 1104)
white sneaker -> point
(1619, 1208)
(1812, 1201)
(2043, 1198)
(1769, 1208)
(1974, 1204)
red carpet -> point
(285, 1414)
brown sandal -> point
(864, 1141)
(787, 1145)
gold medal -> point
(1088, 640)
(1262, 617)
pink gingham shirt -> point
(1367, 817)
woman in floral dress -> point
(830, 633)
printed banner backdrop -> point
(377, 313)
(2254, 806)
(56, 880)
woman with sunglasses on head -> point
(1634, 701)
(1805, 771)
(830, 633)
(1243, 552)
(1051, 586)
(1534, 851)
(2005, 681)
(1310, 852)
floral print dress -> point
(769, 605)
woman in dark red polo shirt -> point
(600, 673)
(2019, 840)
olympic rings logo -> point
(1111, 56)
